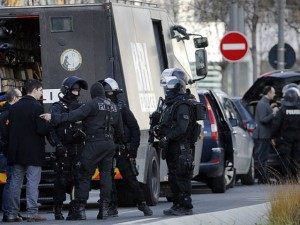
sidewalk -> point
(249, 215)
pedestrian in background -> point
(26, 150)
(262, 134)
(12, 96)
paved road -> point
(204, 201)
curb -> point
(248, 215)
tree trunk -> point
(254, 53)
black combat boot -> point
(142, 206)
(76, 211)
(169, 212)
(113, 210)
(58, 212)
(103, 210)
(181, 211)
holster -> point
(186, 162)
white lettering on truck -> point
(145, 86)
(50, 95)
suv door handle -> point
(234, 132)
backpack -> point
(197, 113)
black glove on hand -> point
(61, 151)
(132, 153)
(163, 143)
(157, 131)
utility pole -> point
(234, 26)
(280, 49)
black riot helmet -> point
(287, 86)
(110, 85)
(291, 97)
(176, 72)
(111, 89)
(69, 82)
(173, 86)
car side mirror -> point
(233, 122)
(200, 42)
(201, 62)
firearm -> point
(154, 119)
(133, 167)
(123, 150)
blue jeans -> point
(33, 176)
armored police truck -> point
(132, 44)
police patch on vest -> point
(105, 107)
(292, 112)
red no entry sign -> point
(234, 46)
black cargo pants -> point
(292, 157)
(128, 176)
(96, 152)
(180, 181)
(65, 173)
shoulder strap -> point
(63, 105)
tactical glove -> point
(61, 151)
(163, 143)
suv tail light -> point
(250, 128)
(212, 120)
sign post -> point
(234, 46)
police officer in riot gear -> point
(68, 139)
(102, 124)
(287, 120)
(175, 133)
(125, 156)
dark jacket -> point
(263, 118)
(131, 129)
(4, 112)
(27, 133)
(287, 122)
(100, 117)
(64, 133)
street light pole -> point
(280, 49)
(234, 26)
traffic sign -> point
(289, 56)
(234, 46)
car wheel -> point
(152, 187)
(230, 174)
(249, 178)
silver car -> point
(241, 140)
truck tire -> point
(152, 187)
(249, 178)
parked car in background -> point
(276, 79)
(241, 138)
(216, 167)
(247, 118)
